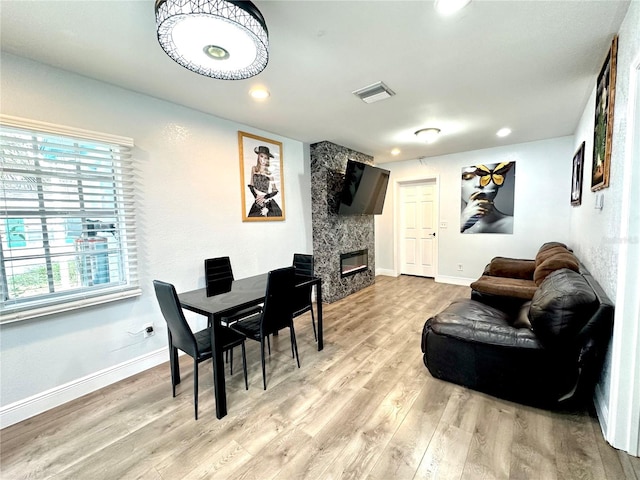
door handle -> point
(433, 234)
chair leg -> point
(175, 367)
(294, 344)
(264, 375)
(230, 361)
(313, 324)
(269, 345)
(244, 367)
(195, 386)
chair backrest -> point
(278, 308)
(217, 269)
(303, 264)
(181, 334)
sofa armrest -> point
(475, 322)
(505, 287)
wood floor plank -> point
(533, 449)
(403, 453)
(273, 457)
(576, 452)
(446, 454)
(611, 460)
(364, 407)
(362, 452)
(490, 449)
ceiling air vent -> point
(373, 93)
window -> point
(67, 225)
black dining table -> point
(216, 303)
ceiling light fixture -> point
(449, 7)
(503, 132)
(224, 39)
(395, 152)
(428, 135)
(259, 93)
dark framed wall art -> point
(261, 178)
(603, 130)
(576, 178)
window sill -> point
(28, 314)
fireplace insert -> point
(354, 262)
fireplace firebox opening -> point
(354, 262)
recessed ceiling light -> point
(428, 135)
(395, 151)
(449, 7)
(259, 93)
(503, 132)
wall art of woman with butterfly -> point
(481, 211)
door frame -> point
(397, 185)
(620, 419)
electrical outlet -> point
(147, 330)
(460, 267)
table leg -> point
(319, 310)
(219, 386)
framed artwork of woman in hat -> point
(261, 176)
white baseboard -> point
(455, 280)
(439, 278)
(386, 272)
(602, 409)
(41, 402)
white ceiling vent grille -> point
(374, 93)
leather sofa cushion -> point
(512, 268)
(549, 252)
(522, 317)
(561, 306)
(504, 286)
(475, 322)
(555, 262)
(548, 245)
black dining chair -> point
(198, 345)
(301, 299)
(277, 314)
(219, 276)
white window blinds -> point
(67, 224)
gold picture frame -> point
(603, 128)
(261, 178)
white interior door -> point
(418, 242)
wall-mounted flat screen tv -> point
(364, 190)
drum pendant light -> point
(223, 39)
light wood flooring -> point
(363, 408)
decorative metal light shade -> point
(223, 39)
(428, 135)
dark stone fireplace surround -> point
(335, 234)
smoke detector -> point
(374, 93)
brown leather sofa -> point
(547, 351)
(518, 278)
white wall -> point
(608, 240)
(189, 209)
(541, 212)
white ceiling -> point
(528, 65)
